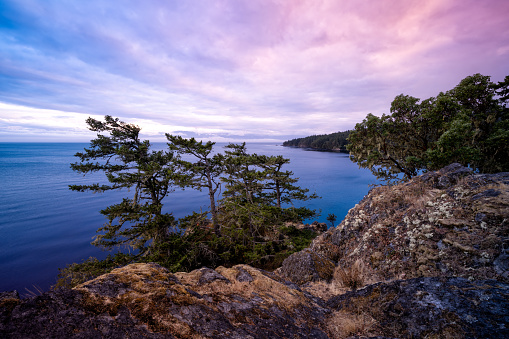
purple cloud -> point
(231, 68)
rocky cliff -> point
(446, 223)
(428, 258)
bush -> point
(77, 273)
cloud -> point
(237, 68)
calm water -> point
(44, 225)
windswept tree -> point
(204, 172)
(240, 204)
(468, 124)
(258, 192)
(128, 163)
(242, 177)
(248, 219)
(279, 188)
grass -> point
(415, 193)
(352, 277)
(324, 290)
(344, 324)
(33, 293)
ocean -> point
(45, 226)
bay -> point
(44, 225)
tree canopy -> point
(468, 124)
(204, 172)
(248, 217)
(128, 163)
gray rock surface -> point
(146, 301)
(433, 308)
(449, 222)
(156, 304)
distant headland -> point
(334, 142)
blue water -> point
(44, 225)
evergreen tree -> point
(128, 163)
(279, 188)
(204, 172)
(257, 190)
(248, 221)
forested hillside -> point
(333, 142)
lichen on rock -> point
(451, 222)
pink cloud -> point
(300, 66)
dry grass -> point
(261, 285)
(324, 290)
(344, 324)
(352, 277)
(37, 291)
(415, 193)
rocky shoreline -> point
(431, 259)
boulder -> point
(305, 266)
(431, 308)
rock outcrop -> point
(145, 300)
(431, 308)
(435, 249)
(446, 223)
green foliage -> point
(256, 189)
(332, 219)
(334, 141)
(247, 222)
(127, 162)
(467, 124)
(236, 246)
(203, 173)
(77, 273)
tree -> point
(376, 144)
(250, 214)
(257, 191)
(204, 172)
(332, 219)
(242, 179)
(279, 188)
(467, 124)
(241, 205)
(128, 163)
(502, 90)
(476, 136)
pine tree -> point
(128, 163)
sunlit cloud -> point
(233, 69)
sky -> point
(234, 70)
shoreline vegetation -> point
(251, 214)
(468, 125)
